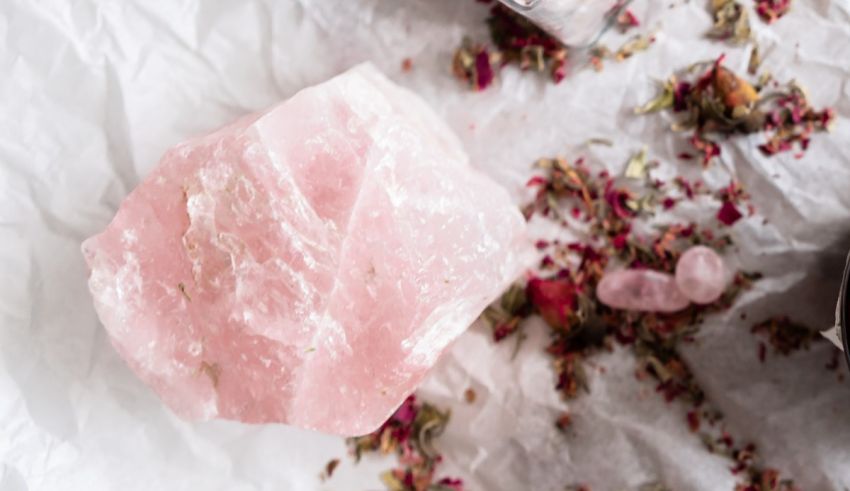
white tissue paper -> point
(93, 92)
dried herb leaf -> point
(392, 482)
(634, 45)
(330, 467)
(409, 433)
(636, 168)
(731, 21)
(663, 101)
(755, 61)
(720, 102)
(785, 335)
(562, 292)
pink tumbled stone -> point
(304, 265)
(642, 290)
(701, 275)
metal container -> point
(577, 23)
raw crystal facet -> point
(701, 275)
(642, 290)
(305, 265)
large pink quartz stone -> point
(305, 265)
(642, 290)
(701, 275)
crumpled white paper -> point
(92, 92)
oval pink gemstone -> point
(701, 275)
(641, 289)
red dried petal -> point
(680, 96)
(451, 483)
(693, 421)
(484, 74)
(537, 181)
(619, 241)
(728, 213)
(406, 413)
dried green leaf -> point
(659, 369)
(663, 101)
(429, 424)
(764, 79)
(636, 168)
(599, 141)
(514, 300)
(392, 482)
(634, 45)
(755, 61)
(581, 377)
(731, 21)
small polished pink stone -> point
(701, 275)
(642, 290)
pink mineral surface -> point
(304, 265)
(642, 290)
(701, 275)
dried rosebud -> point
(618, 199)
(626, 20)
(475, 64)
(733, 90)
(730, 21)
(771, 10)
(559, 70)
(555, 299)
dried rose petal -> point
(728, 213)
(406, 413)
(680, 96)
(483, 70)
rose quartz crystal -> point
(701, 275)
(305, 265)
(641, 289)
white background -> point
(92, 92)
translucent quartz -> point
(642, 290)
(701, 275)
(305, 265)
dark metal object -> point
(528, 7)
(844, 311)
